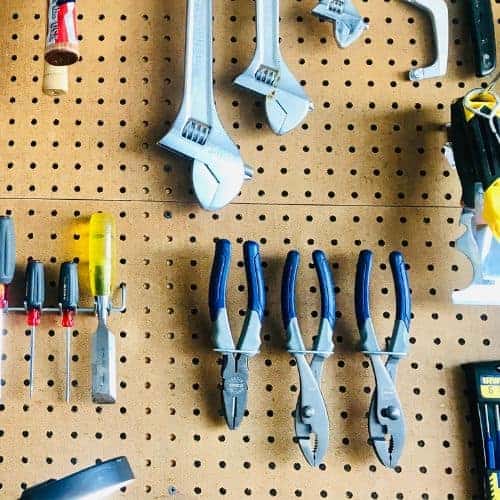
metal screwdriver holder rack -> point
(101, 256)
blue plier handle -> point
(311, 417)
(250, 337)
(288, 308)
(385, 417)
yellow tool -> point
(494, 486)
(101, 264)
(483, 106)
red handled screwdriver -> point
(35, 297)
(68, 300)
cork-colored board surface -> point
(365, 170)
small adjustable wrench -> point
(268, 75)
(349, 25)
(218, 171)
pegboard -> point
(365, 170)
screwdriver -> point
(35, 297)
(488, 441)
(497, 432)
(101, 264)
(7, 268)
(68, 300)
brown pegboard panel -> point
(372, 133)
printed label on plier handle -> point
(62, 22)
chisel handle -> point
(101, 253)
(7, 250)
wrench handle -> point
(198, 100)
(268, 33)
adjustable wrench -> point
(218, 171)
(438, 12)
(286, 102)
(349, 25)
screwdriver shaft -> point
(489, 444)
(68, 364)
(32, 360)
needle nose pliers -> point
(311, 417)
(386, 423)
(234, 370)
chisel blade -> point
(103, 366)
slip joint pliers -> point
(385, 418)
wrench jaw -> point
(285, 111)
(218, 171)
(217, 184)
(349, 25)
(346, 33)
(287, 104)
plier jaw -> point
(311, 416)
(234, 388)
(386, 425)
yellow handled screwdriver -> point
(101, 264)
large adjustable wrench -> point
(438, 12)
(218, 171)
(268, 75)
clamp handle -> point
(101, 253)
(7, 250)
(217, 290)
(255, 278)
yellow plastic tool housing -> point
(494, 487)
(491, 209)
(101, 253)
